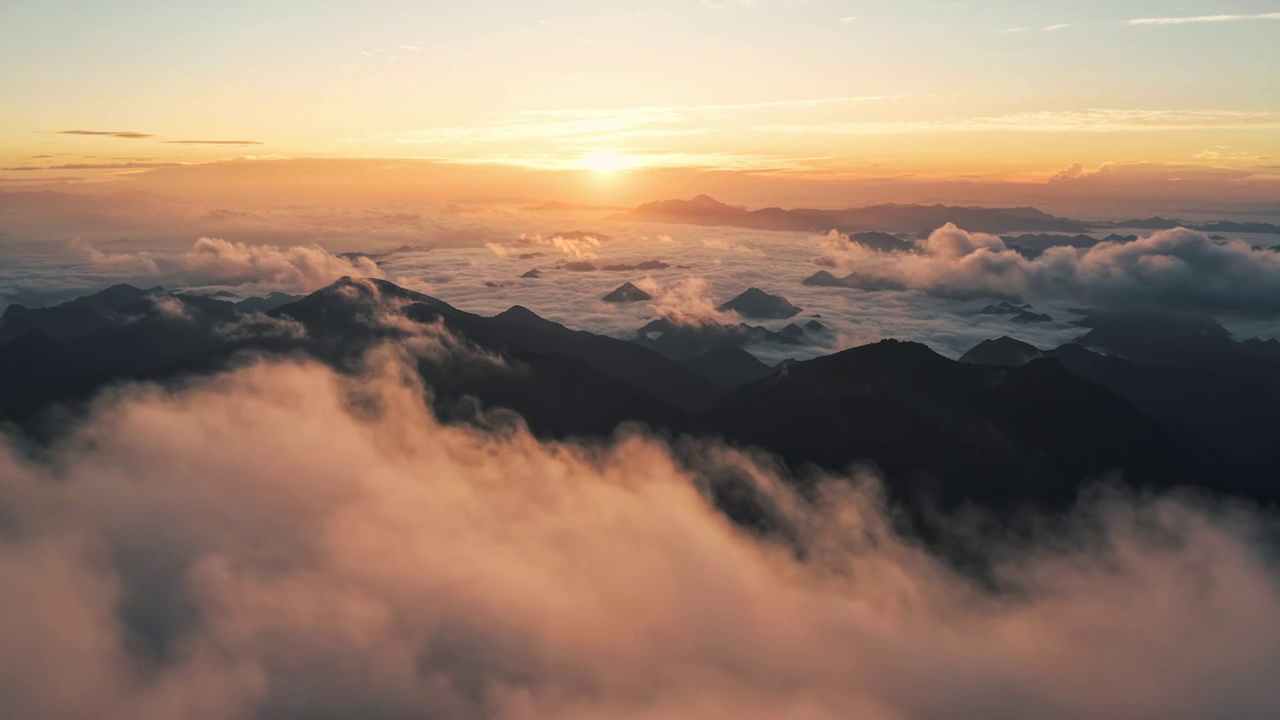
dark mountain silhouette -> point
(793, 330)
(1004, 307)
(703, 210)
(815, 326)
(681, 342)
(626, 293)
(1217, 226)
(643, 265)
(1044, 241)
(822, 278)
(532, 274)
(1026, 316)
(728, 366)
(757, 304)
(1185, 404)
(1003, 351)
(927, 218)
(955, 431)
(270, 302)
(881, 242)
(1229, 396)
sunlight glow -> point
(607, 162)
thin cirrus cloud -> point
(1047, 28)
(94, 166)
(1090, 120)
(607, 124)
(1204, 19)
(134, 135)
(213, 142)
(127, 134)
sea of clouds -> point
(284, 542)
(474, 260)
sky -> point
(792, 91)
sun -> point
(607, 161)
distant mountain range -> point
(704, 210)
(1220, 226)
(912, 219)
(1161, 400)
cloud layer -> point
(281, 542)
(213, 262)
(1175, 269)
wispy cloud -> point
(849, 20)
(1047, 28)
(1089, 120)
(605, 125)
(94, 166)
(1204, 19)
(126, 134)
(213, 142)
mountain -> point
(1233, 407)
(728, 366)
(1217, 226)
(626, 293)
(822, 278)
(1035, 244)
(759, 305)
(955, 431)
(561, 381)
(681, 342)
(1006, 425)
(1003, 351)
(881, 242)
(921, 219)
(270, 302)
(704, 210)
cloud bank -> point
(217, 262)
(1175, 269)
(282, 542)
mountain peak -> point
(756, 303)
(627, 292)
(1004, 350)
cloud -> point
(213, 142)
(1204, 19)
(98, 166)
(1176, 269)
(136, 263)
(128, 135)
(1055, 28)
(688, 302)
(579, 246)
(284, 542)
(217, 262)
(597, 126)
(1049, 121)
(848, 20)
(1014, 30)
(1074, 172)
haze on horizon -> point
(758, 101)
